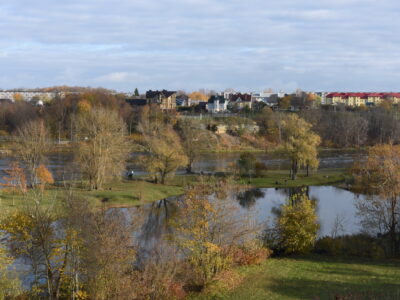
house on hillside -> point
(217, 104)
(165, 99)
(241, 101)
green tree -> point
(300, 144)
(136, 93)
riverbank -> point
(137, 192)
(117, 194)
(312, 277)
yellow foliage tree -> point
(300, 144)
(44, 176)
(18, 97)
(298, 225)
(15, 180)
(198, 96)
(207, 230)
(380, 175)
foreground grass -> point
(315, 277)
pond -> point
(332, 204)
(336, 209)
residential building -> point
(217, 104)
(165, 99)
(357, 99)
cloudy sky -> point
(189, 44)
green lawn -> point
(280, 178)
(124, 193)
(315, 277)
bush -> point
(251, 254)
(351, 245)
(295, 230)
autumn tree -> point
(33, 237)
(15, 180)
(17, 97)
(194, 140)
(32, 143)
(296, 228)
(10, 286)
(379, 177)
(44, 176)
(198, 96)
(208, 230)
(300, 144)
(102, 148)
(165, 153)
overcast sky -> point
(250, 45)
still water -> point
(333, 205)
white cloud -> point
(187, 44)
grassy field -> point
(117, 194)
(315, 277)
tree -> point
(136, 93)
(379, 177)
(300, 144)
(198, 96)
(32, 236)
(32, 143)
(15, 179)
(297, 226)
(102, 148)
(17, 97)
(9, 283)
(246, 164)
(194, 141)
(285, 102)
(44, 176)
(207, 231)
(165, 153)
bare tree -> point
(102, 149)
(32, 143)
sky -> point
(248, 45)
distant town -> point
(211, 101)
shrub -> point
(250, 254)
(351, 245)
(295, 230)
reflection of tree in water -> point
(289, 194)
(248, 198)
(156, 219)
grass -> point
(280, 178)
(136, 192)
(315, 277)
(117, 194)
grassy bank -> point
(314, 277)
(117, 194)
(137, 192)
(280, 178)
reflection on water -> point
(332, 204)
